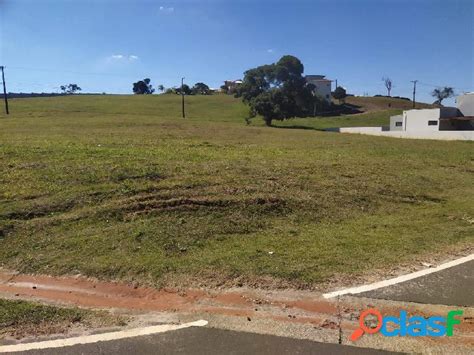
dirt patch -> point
(150, 204)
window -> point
(327, 96)
(432, 123)
(398, 124)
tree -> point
(224, 89)
(161, 88)
(186, 89)
(143, 87)
(339, 94)
(277, 91)
(70, 89)
(201, 89)
(388, 84)
(442, 93)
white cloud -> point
(270, 50)
(167, 10)
(117, 58)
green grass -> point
(366, 119)
(120, 187)
(20, 318)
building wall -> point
(465, 104)
(323, 88)
(420, 120)
(396, 123)
(378, 131)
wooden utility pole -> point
(182, 98)
(414, 91)
(4, 90)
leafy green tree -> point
(442, 93)
(201, 89)
(186, 89)
(339, 94)
(161, 88)
(143, 87)
(70, 88)
(278, 91)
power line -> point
(439, 86)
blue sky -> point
(106, 45)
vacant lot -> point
(121, 187)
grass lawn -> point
(19, 319)
(366, 119)
(120, 187)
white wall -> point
(417, 120)
(323, 88)
(443, 135)
(394, 120)
(362, 130)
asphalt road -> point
(197, 340)
(451, 287)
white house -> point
(447, 123)
(460, 118)
(322, 86)
(427, 120)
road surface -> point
(197, 340)
(451, 287)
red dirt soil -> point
(286, 306)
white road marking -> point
(399, 279)
(88, 339)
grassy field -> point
(19, 319)
(120, 187)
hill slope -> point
(122, 187)
(368, 104)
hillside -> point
(121, 187)
(368, 104)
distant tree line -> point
(144, 87)
(197, 89)
(70, 89)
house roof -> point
(317, 78)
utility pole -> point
(414, 91)
(182, 97)
(4, 90)
(336, 83)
